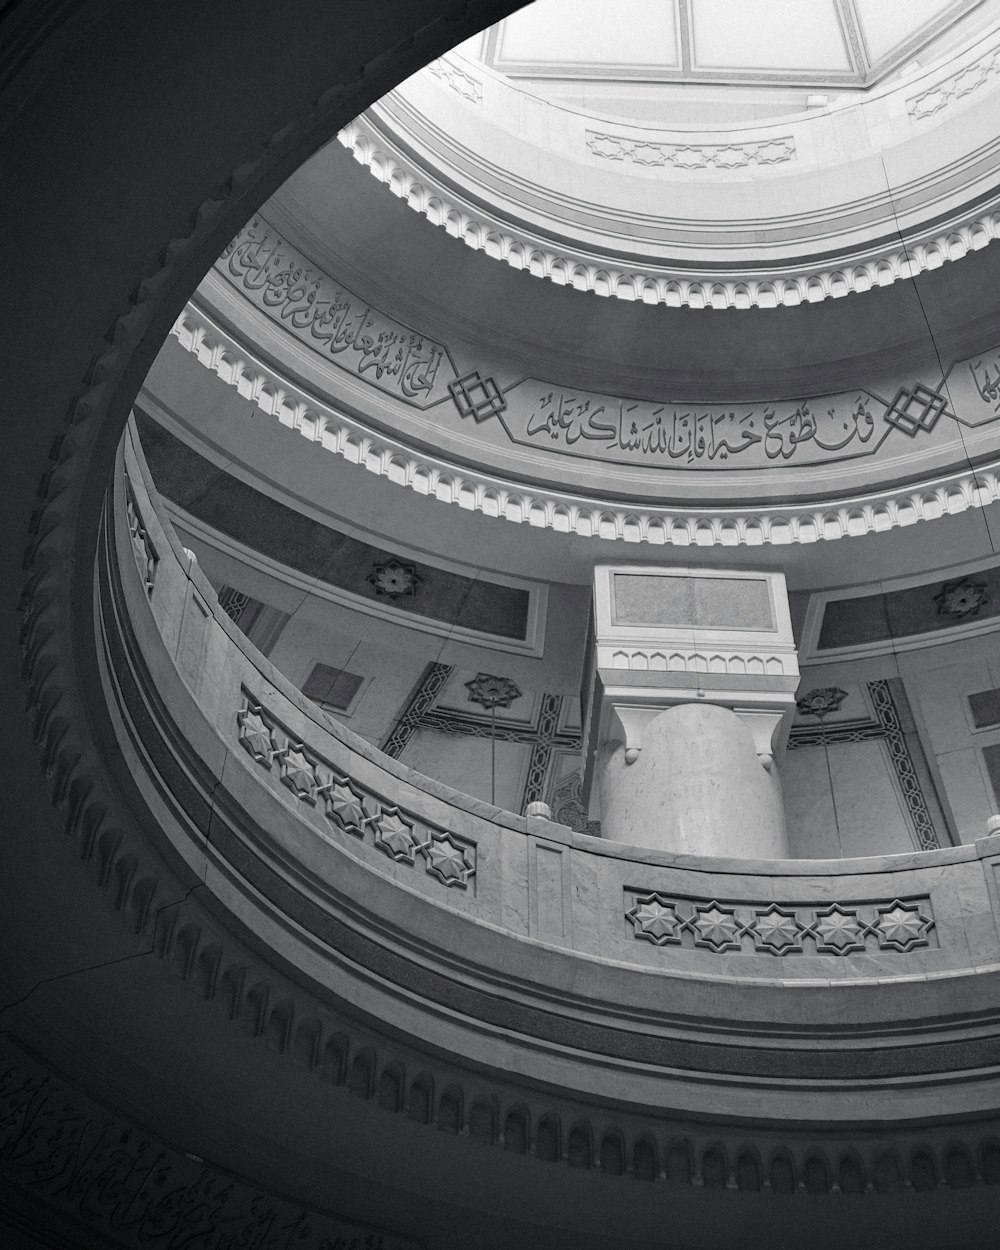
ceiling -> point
(826, 43)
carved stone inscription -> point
(795, 432)
(333, 321)
(57, 1144)
(702, 436)
(706, 924)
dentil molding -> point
(335, 431)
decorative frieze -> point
(332, 320)
(901, 925)
(436, 198)
(468, 87)
(546, 508)
(637, 150)
(950, 90)
(347, 806)
(59, 1146)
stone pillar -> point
(689, 693)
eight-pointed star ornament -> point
(716, 928)
(447, 861)
(394, 834)
(776, 930)
(345, 807)
(655, 921)
(901, 927)
(255, 735)
(838, 930)
(298, 773)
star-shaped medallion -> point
(717, 929)
(490, 691)
(255, 735)
(838, 931)
(448, 862)
(394, 834)
(961, 597)
(394, 579)
(776, 931)
(298, 773)
(654, 920)
(345, 807)
(901, 927)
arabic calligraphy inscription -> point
(702, 437)
(332, 320)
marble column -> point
(689, 694)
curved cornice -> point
(674, 285)
(783, 212)
(333, 430)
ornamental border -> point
(676, 286)
(334, 431)
(780, 928)
(349, 807)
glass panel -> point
(565, 31)
(768, 35)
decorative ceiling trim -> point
(691, 156)
(968, 79)
(346, 436)
(672, 285)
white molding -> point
(450, 180)
(864, 270)
(564, 512)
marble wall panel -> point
(841, 801)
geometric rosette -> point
(345, 806)
(717, 928)
(394, 834)
(655, 920)
(255, 735)
(838, 930)
(298, 772)
(902, 926)
(776, 930)
(448, 861)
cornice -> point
(333, 430)
(472, 169)
(675, 286)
